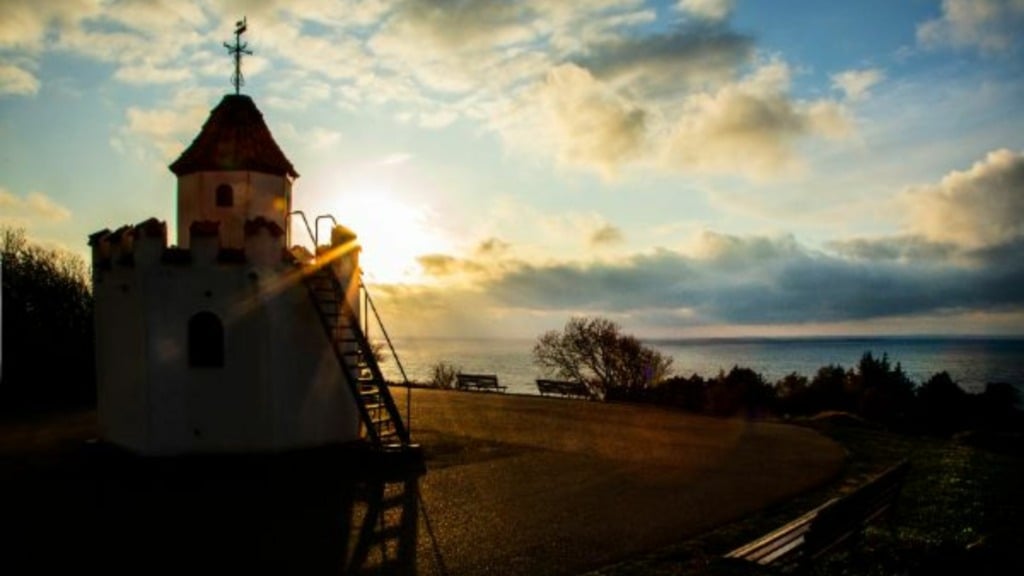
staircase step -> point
(354, 353)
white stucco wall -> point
(122, 403)
(281, 386)
(255, 194)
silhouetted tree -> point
(740, 389)
(793, 394)
(886, 394)
(942, 406)
(828, 390)
(685, 393)
(596, 352)
(997, 407)
(48, 331)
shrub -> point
(443, 375)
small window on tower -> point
(225, 196)
(205, 341)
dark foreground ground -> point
(515, 485)
(961, 511)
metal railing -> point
(314, 235)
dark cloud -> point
(605, 235)
(762, 280)
(911, 247)
(438, 264)
(688, 56)
(492, 246)
(458, 23)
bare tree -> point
(594, 351)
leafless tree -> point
(593, 350)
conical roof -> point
(234, 137)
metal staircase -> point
(382, 422)
(384, 528)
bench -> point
(563, 388)
(827, 526)
(482, 382)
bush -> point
(48, 354)
(443, 375)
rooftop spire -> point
(237, 50)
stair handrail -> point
(394, 354)
(316, 228)
(312, 235)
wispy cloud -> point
(988, 25)
(32, 209)
(857, 84)
(16, 80)
(707, 9)
(754, 119)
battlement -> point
(145, 245)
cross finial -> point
(237, 50)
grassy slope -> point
(960, 511)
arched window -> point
(225, 196)
(205, 341)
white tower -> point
(228, 342)
(232, 173)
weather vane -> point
(237, 50)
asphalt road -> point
(527, 485)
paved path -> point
(529, 485)
(515, 485)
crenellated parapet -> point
(144, 245)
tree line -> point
(48, 340)
(617, 367)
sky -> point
(687, 168)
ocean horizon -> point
(972, 361)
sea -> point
(971, 361)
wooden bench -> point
(481, 382)
(563, 388)
(827, 526)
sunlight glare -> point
(392, 233)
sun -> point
(392, 232)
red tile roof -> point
(235, 137)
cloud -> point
(492, 247)
(15, 80)
(591, 125)
(857, 84)
(688, 57)
(587, 83)
(988, 25)
(26, 22)
(606, 235)
(744, 280)
(751, 126)
(165, 128)
(31, 209)
(452, 47)
(978, 207)
(707, 9)
(903, 248)
(150, 74)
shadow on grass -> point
(961, 510)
